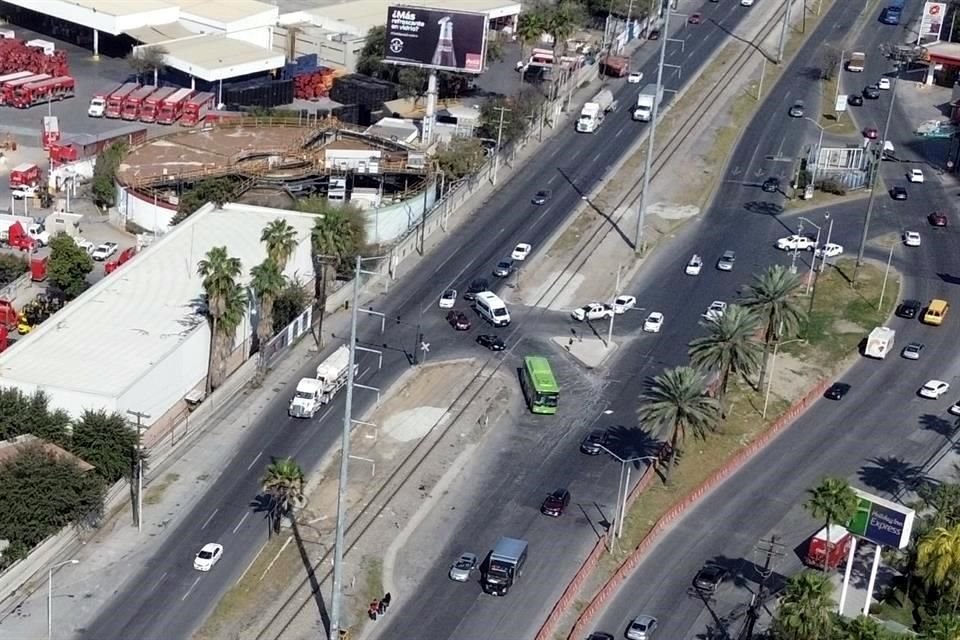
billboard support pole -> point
(873, 579)
(846, 573)
(431, 114)
(496, 157)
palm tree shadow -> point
(893, 476)
(312, 579)
(599, 211)
(938, 425)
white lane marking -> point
(250, 466)
(325, 414)
(364, 372)
(159, 582)
(187, 594)
(546, 210)
(264, 546)
(554, 177)
(239, 524)
(212, 513)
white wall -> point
(145, 213)
(260, 36)
(386, 224)
(73, 402)
(359, 160)
(98, 20)
(169, 380)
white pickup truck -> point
(592, 311)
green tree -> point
(104, 186)
(12, 267)
(42, 494)
(223, 297)
(560, 21)
(370, 60)
(281, 240)
(107, 442)
(730, 347)
(412, 83)
(267, 282)
(676, 402)
(938, 561)
(835, 503)
(25, 414)
(941, 627)
(806, 608)
(69, 265)
(863, 628)
(283, 483)
(772, 296)
(148, 60)
(459, 157)
(530, 29)
(215, 190)
(291, 302)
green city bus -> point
(540, 388)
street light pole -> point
(886, 272)
(50, 594)
(796, 249)
(616, 292)
(496, 157)
(624, 488)
(813, 261)
(783, 32)
(773, 368)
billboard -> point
(931, 23)
(436, 38)
(881, 521)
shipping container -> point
(172, 107)
(151, 106)
(35, 93)
(10, 87)
(134, 102)
(195, 110)
(115, 99)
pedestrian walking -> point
(373, 609)
(386, 599)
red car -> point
(458, 320)
(937, 219)
(695, 18)
(870, 133)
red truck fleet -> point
(151, 105)
(16, 75)
(115, 99)
(196, 108)
(172, 107)
(134, 102)
(34, 93)
(98, 103)
(10, 88)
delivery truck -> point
(594, 112)
(10, 88)
(98, 103)
(313, 393)
(115, 100)
(195, 110)
(828, 548)
(504, 565)
(649, 97)
(879, 342)
(151, 106)
(134, 102)
(172, 107)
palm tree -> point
(772, 295)
(219, 272)
(560, 21)
(283, 483)
(281, 240)
(530, 28)
(806, 609)
(835, 502)
(863, 628)
(676, 400)
(337, 235)
(731, 347)
(938, 561)
(942, 627)
(267, 282)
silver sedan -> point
(463, 567)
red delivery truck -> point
(25, 174)
(172, 107)
(34, 93)
(151, 106)
(10, 88)
(832, 545)
(98, 103)
(134, 102)
(51, 131)
(196, 108)
(115, 99)
(16, 75)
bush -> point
(834, 186)
(12, 267)
(105, 175)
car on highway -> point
(871, 133)
(104, 251)
(909, 309)
(937, 219)
(911, 238)
(592, 311)
(915, 175)
(716, 309)
(594, 442)
(884, 83)
(695, 18)
(726, 261)
(458, 320)
(933, 389)
(872, 92)
(796, 243)
(797, 109)
(463, 567)
(653, 323)
(912, 351)
(654, 34)
(771, 185)
(476, 286)
(494, 343)
(208, 556)
(829, 250)
(503, 268)
(709, 577)
(641, 628)
(622, 304)
(898, 193)
(541, 197)
(448, 299)
(556, 503)
(635, 77)
(599, 635)
(694, 265)
(955, 408)
(855, 100)
(521, 251)
(837, 390)
(746, 3)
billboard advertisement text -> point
(436, 38)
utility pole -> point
(140, 416)
(496, 157)
(783, 32)
(638, 241)
(771, 549)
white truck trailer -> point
(593, 112)
(313, 393)
(648, 97)
(880, 342)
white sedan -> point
(208, 556)
(716, 310)
(830, 250)
(653, 323)
(884, 83)
(694, 266)
(915, 175)
(623, 304)
(635, 77)
(448, 299)
(796, 243)
(911, 238)
(521, 251)
(933, 389)
(592, 311)
(746, 3)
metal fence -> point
(274, 349)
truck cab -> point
(306, 400)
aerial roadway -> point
(175, 602)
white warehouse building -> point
(138, 340)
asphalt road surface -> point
(881, 436)
(167, 599)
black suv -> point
(593, 443)
(478, 285)
(872, 92)
(771, 185)
(708, 579)
(855, 100)
(837, 390)
(491, 342)
(898, 193)
(909, 309)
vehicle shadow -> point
(764, 208)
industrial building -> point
(138, 340)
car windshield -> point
(464, 563)
(303, 395)
(206, 555)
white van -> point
(492, 309)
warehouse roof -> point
(224, 11)
(363, 15)
(111, 336)
(156, 34)
(215, 56)
(114, 7)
